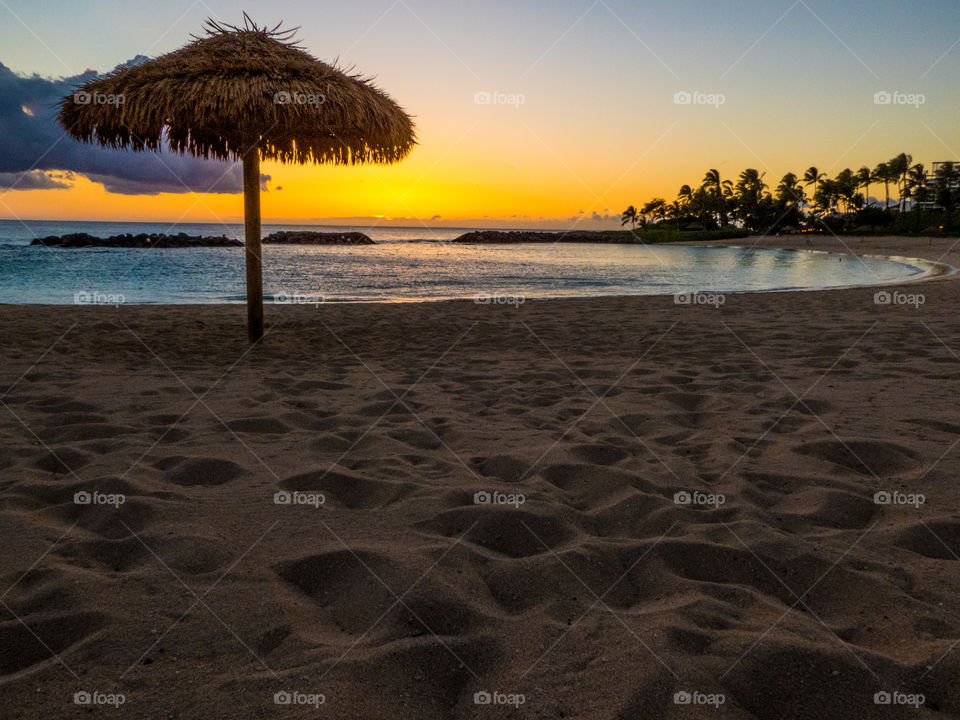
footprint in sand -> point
(938, 540)
(505, 530)
(353, 589)
(61, 460)
(258, 426)
(206, 471)
(503, 467)
(599, 454)
(29, 644)
(868, 457)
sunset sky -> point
(598, 127)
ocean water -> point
(407, 264)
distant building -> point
(931, 202)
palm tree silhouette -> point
(629, 216)
(748, 202)
(719, 191)
(864, 178)
(656, 208)
(917, 187)
(789, 190)
(881, 173)
(899, 167)
(675, 212)
(812, 178)
(846, 186)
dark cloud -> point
(36, 180)
(35, 153)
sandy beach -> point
(611, 508)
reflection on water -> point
(402, 271)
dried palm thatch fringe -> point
(218, 96)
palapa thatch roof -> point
(237, 86)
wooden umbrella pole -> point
(251, 213)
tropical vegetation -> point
(913, 200)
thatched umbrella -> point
(242, 93)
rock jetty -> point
(143, 240)
(304, 237)
(573, 236)
(182, 240)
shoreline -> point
(935, 270)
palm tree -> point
(826, 196)
(685, 196)
(656, 208)
(881, 173)
(899, 167)
(750, 192)
(675, 212)
(812, 178)
(789, 199)
(789, 190)
(702, 206)
(629, 216)
(719, 191)
(917, 187)
(751, 180)
(863, 178)
(846, 187)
